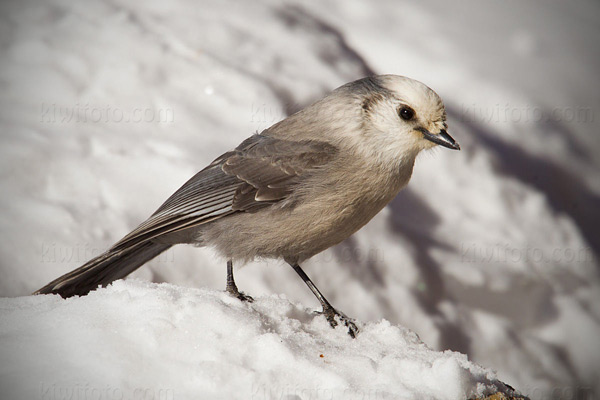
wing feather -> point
(258, 173)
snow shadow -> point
(566, 192)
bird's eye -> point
(406, 113)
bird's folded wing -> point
(258, 173)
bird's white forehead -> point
(413, 93)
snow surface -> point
(143, 340)
(107, 107)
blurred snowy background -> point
(107, 107)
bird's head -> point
(401, 117)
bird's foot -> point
(331, 313)
(239, 295)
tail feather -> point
(104, 269)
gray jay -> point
(295, 189)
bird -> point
(291, 191)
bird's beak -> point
(442, 138)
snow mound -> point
(136, 339)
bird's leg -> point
(328, 311)
(231, 287)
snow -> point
(107, 107)
(142, 339)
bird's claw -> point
(331, 313)
(240, 295)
